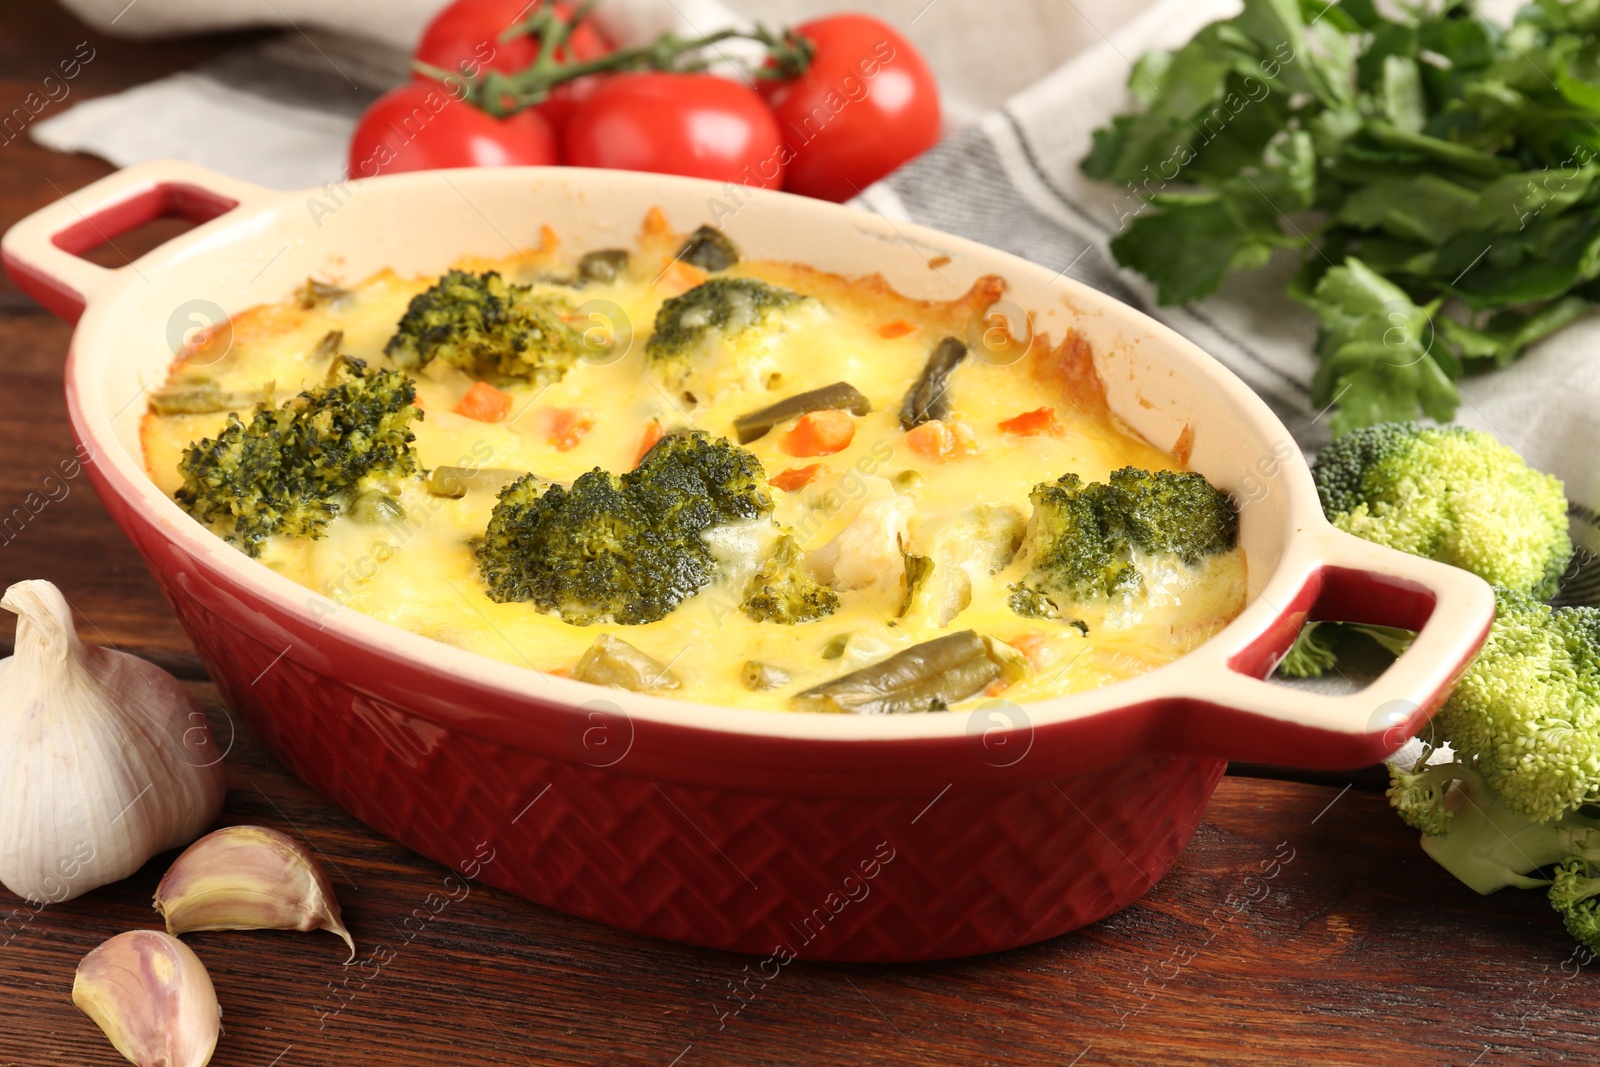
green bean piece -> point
(329, 346)
(709, 249)
(202, 398)
(918, 570)
(758, 676)
(840, 396)
(602, 265)
(612, 661)
(375, 507)
(315, 292)
(926, 677)
(929, 397)
(456, 482)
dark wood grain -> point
(1351, 948)
(1356, 949)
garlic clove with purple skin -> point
(151, 996)
(248, 878)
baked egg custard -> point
(671, 469)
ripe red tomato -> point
(867, 104)
(420, 126)
(694, 124)
(464, 38)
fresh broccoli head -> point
(732, 314)
(630, 548)
(292, 468)
(782, 591)
(1523, 726)
(1316, 648)
(1528, 709)
(1087, 541)
(1452, 494)
(488, 328)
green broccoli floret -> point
(1528, 709)
(1523, 725)
(781, 590)
(730, 311)
(1574, 887)
(1316, 648)
(1451, 494)
(292, 468)
(625, 549)
(488, 328)
(1085, 541)
(1313, 653)
(588, 554)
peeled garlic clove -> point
(248, 878)
(105, 759)
(152, 997)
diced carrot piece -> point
(1032, 645)
(796, 478)
(820, 433)
(652, 434)
(485, 403)
(568, 426)
(679, 278)
(1033, 423)
(898, 328)
(929, 439)
(655, 223)
(937, 440)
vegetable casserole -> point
(667, 468)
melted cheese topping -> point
(877, 497)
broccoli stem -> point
(1486, 845)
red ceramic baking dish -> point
(835, 837)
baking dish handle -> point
(41, 253)
(1233, 711)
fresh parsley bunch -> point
(1435, 174)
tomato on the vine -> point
(464, 39)
(694, 124)
(866, 104)
(420, 126)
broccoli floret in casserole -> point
(488, 328)
(782, 591)
(631, 548)
(1091, 541)
(291, 469)
(1523, 730)
(715, 332)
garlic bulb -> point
(248, 878)
(152, 997)
(105, 759)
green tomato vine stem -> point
(788, 56)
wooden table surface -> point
(1360, 952)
